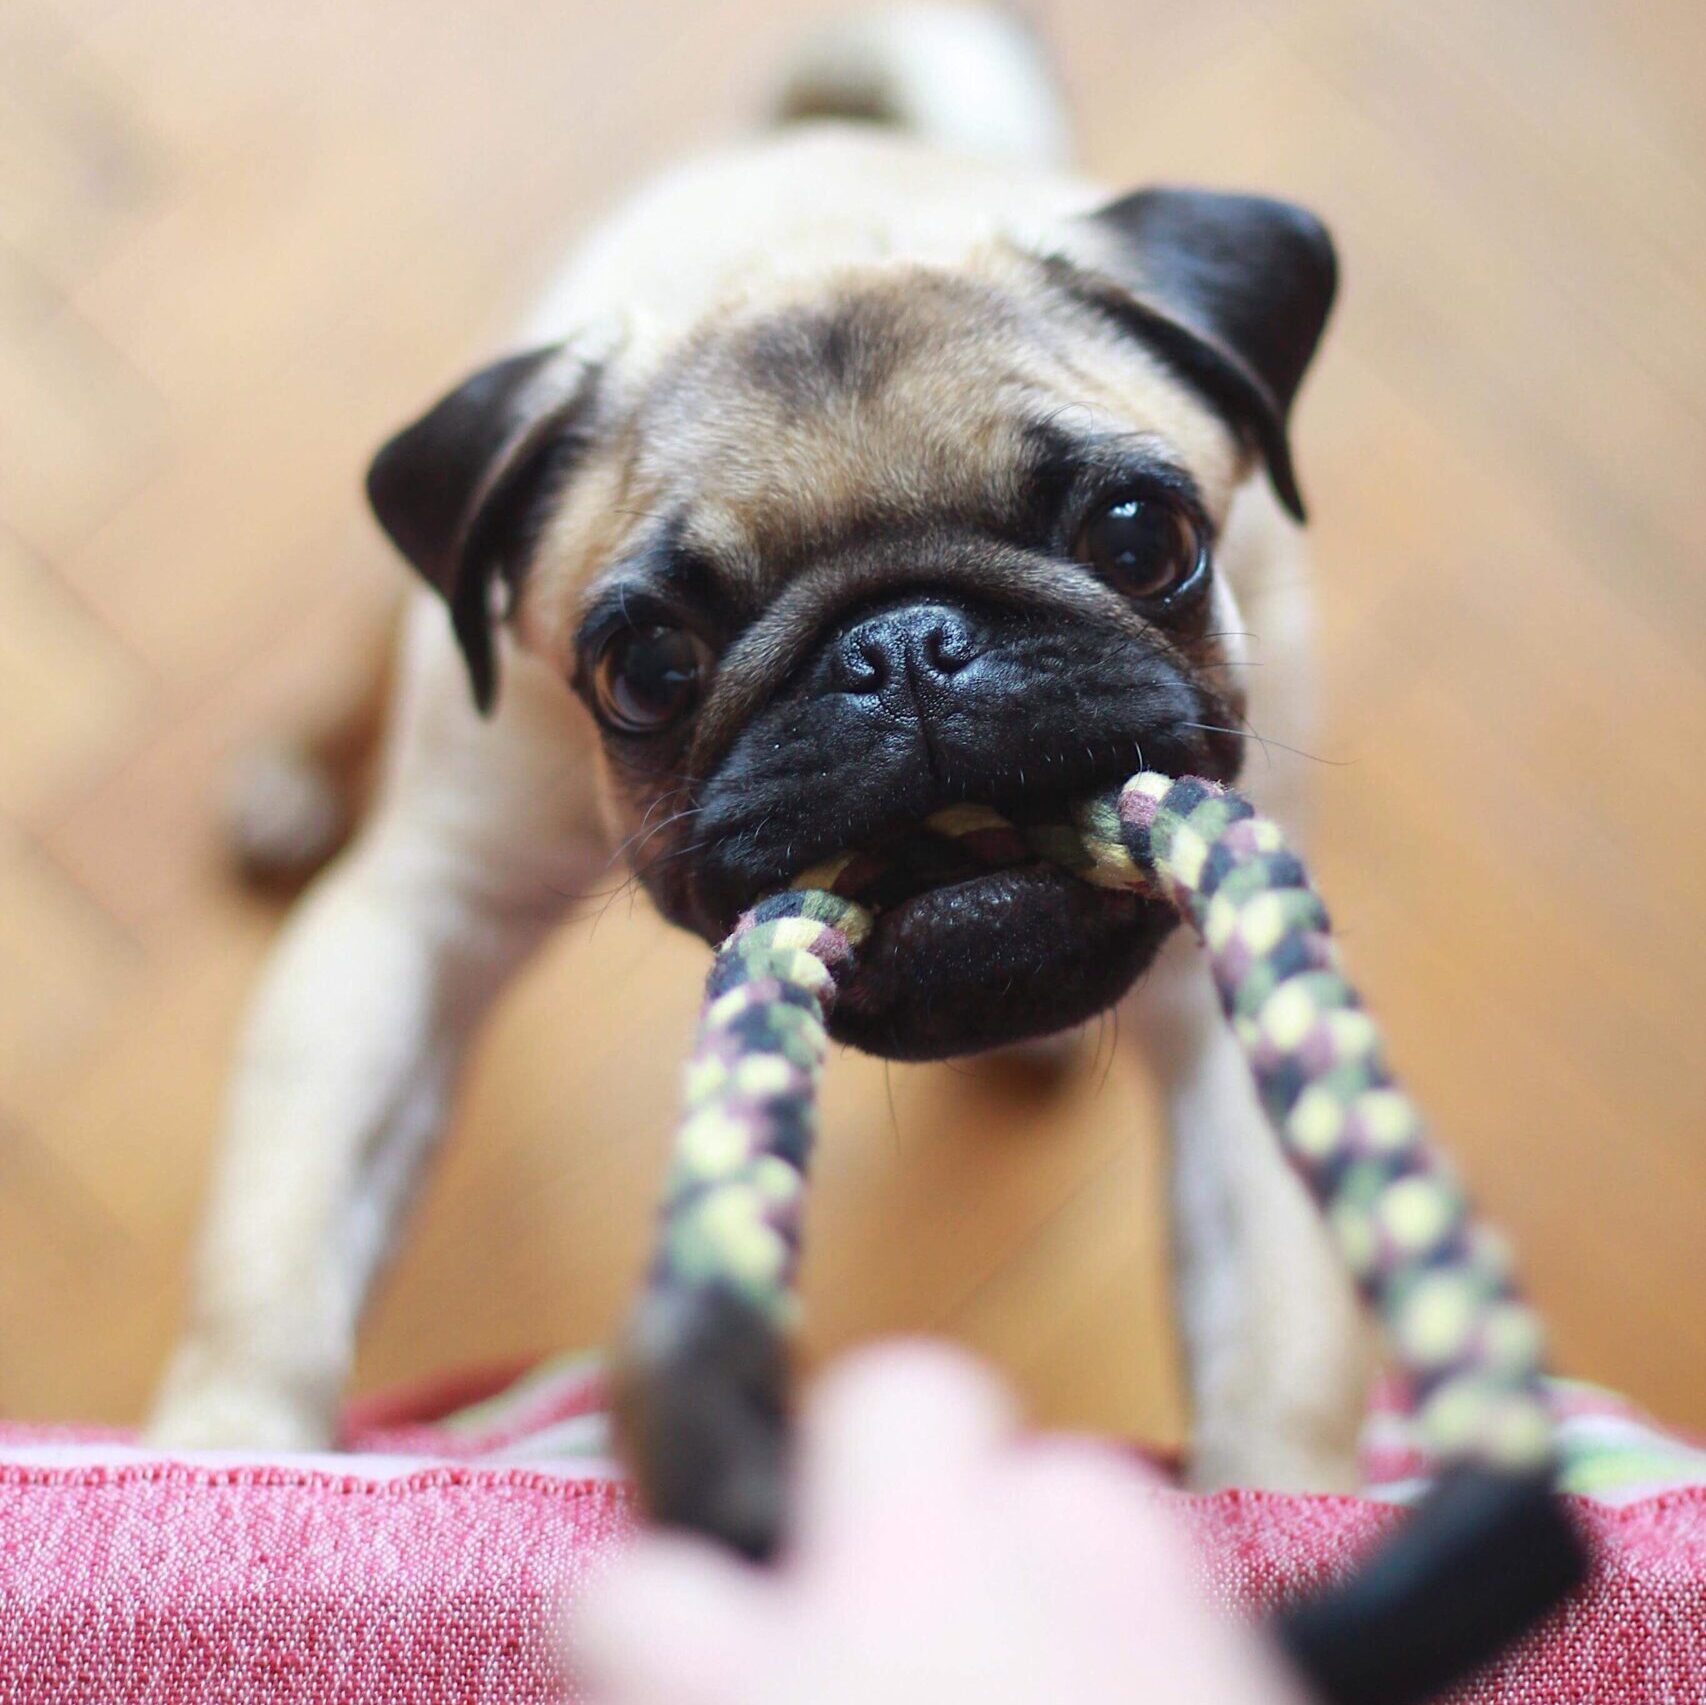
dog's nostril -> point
(863, 665)
(913, 642)
(873, 661)
(947, 650)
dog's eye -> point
(648, 678)
(1143, 547)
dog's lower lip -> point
(993, 958)
(897, 913)
(1004, 891)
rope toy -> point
(703, 1400)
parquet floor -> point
(239, 240)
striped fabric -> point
(1608, 1450)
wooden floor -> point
(239, 240)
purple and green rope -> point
(1438, 1280)
(1435, 1277)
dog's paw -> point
(284, 816)
(702, 1417)
(218, 1412)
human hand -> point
(936, 1556)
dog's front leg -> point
(1277, 1355)
(377, 985)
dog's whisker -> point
(1112, 1016)
(647, 832)
(667, 824)
(1265, 741)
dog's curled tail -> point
(971, 79)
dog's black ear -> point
(462, 490)
(1232, 290)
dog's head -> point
(899, 538)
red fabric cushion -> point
(380, 1580)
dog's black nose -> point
(918, 645)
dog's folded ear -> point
(462, 491)
(1232, 291)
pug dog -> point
(873, 466)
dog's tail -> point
(972, 79)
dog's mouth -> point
(975, 946)
(972, 947)
(967, 952)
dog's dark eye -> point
(1142, 547)
(647, 679)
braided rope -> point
(736, 1187)
(1437, 1279)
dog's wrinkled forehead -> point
(876, 405)
(869, 400)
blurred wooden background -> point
(240, 240)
